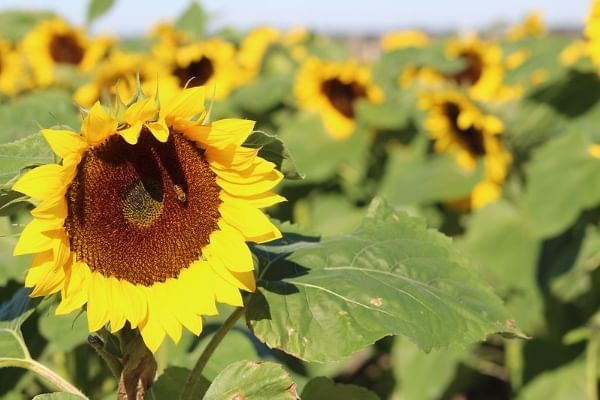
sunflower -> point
(146, 218)
(208, 63)
(55, 42)
(483, 72)
(332, 89)
(120, 71)
(592, 33)
(253, 48)
(458, 127)
(12, 78)
(531, 26)
(403, 40)
(420, 75)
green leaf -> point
(501, 241)
(252, 381)
(414, 370)
(264, 94)
(169, 384)
(16, 24)
(566, 382)
(273, 149)
(392, 276)
(63, 332)
(555, 195)
(58, 396)
(12, 315)
(393, 113)
(45, 108)
(97, 8)
(27, 152)
(321, 388)
(193, 20)
(328, 214)
(317, 154)
(413, 180)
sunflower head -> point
(531, 26)
(253, 48)
(12, 77)
(459, 127)
(55, 42)
(592, 33)
(404, 40)
(332, 89)
(146, 218)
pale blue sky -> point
(360, 16)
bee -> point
(181, 196)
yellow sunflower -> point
(420, 75)
(483, 73)
(12, 77)
(332, 89)
(531, 26)
(210, 63)
(145, 220)
(253, 49)
(403, 40)
(55, 42)
(458, 127)
(592, 33)
(120, 72)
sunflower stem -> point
(196, 374)
(49, 376)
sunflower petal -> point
(65, 143)
(261, 200)
(42, 182)
(98, 125)
(159, 129)
(99, 301)
(185, 104)
(141, 111)
(229, 245)
(132, 134)
(34, 238)
(223, 133)
(75, 290)
(251, 222)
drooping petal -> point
(74, 293)
(132, 134)
(184, 104)
(42, 182)
(159, 129)
(99, 301)
(229, 246)
(98, 125)
(141, 111)
(222, 133)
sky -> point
(333, 16)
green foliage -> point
(97, 8)
(392, 276)
(273, 149)
(193, 20)
(14, 25)
(18, 155)
(12, 315)
(169, 384)
(324, 388)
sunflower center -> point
(471, 138)
(66, 49)
(142, 213)
(471, 74)
(197, 73)
(342, 95)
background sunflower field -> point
(469, 162)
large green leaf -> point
(501, 241)
(12, 315)
(321, 388)
(193, 20)
(14, 157)
(413, 180)
(566, 382)
(264, 94)
(63, 332)
(321, 301)
(97, 8)
(169, 384)
(563, 180)
(329, 214)
(273, 149)
(46, 108)
(252, 381)
(415, 371)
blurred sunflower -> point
(54, 42)
(458, 127)
(403, 40)
(483, 72)
(210, 63)
(253, 48)
(592, 33)
(12, 77)
(332, 89)
(121, 70)
(420, 75)
(146, 218)
(531, 26)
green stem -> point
(591, 367)
(196, 373)
(43, 371)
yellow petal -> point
(98, 125)
(160, 307)
(194, 279)
(229, 245)
(223, 133)
(232, 278)
(251, 222)
(240, 158)
(42, 182)
(225, 291)
(260, 200)
(34, 238)
(75, 291)
(141, 111)
(116, 314)
(55, 207)
(132, 134)
(99, 301)
(65, 143)
(152, 332)
(159, 129)
(184, 104)
(136, 305)
(254, 185)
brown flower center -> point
(197, 73)
(66, 49)
(142, 213)
(343, 95)
(472, 72)
(471, 138)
